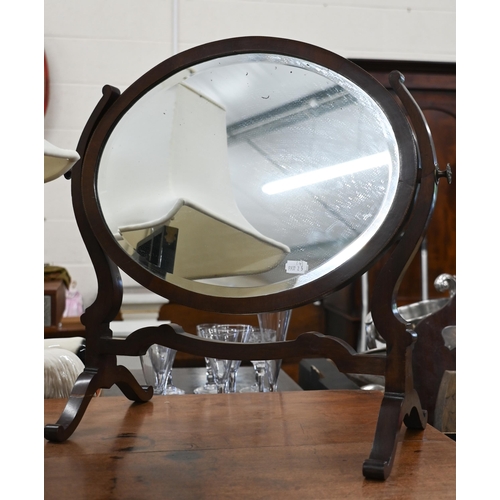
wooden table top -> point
(286, 445)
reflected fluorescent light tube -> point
(327, 173)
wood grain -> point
(282, 445)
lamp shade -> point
(57, 161)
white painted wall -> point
(90, 43)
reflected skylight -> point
(327, 173)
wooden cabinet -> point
(433, 86)
(54, 302)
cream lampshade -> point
(57, 161)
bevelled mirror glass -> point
(250, 174)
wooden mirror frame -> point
(400, 402)
(283, 299)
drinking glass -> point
(279, 322)
(261, 367)
(225, 370)
(157, 366)
(209, 387)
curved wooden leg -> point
(395, 409)
(130, 387)
(89, 381)
(83, 391)
(415, 417)
(380, 462)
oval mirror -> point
(252, 168)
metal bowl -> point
(413, 313)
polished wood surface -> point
(310, 317)
(433, 86)
(67, 328)
(293, 445)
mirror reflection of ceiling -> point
(248, 170)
